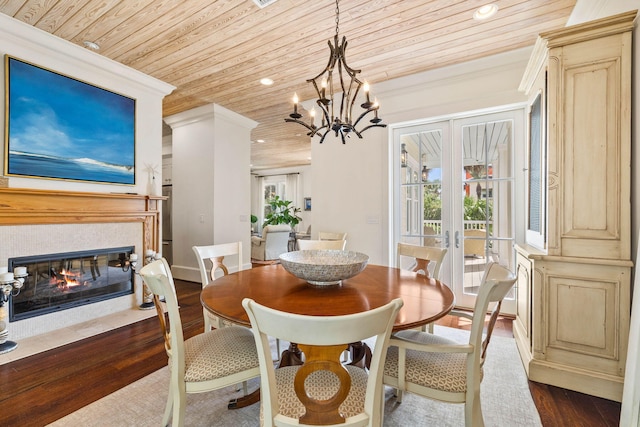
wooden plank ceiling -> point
(216, 51)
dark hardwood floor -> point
(40, 389)
(557, 407)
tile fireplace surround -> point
(35, 222)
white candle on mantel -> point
(20, 271)
(4, 269)
(133, 257)
(149, 252)
(157, 256)
(6, 277)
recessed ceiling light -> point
(264, 3)
(485, 12)
(266, 81)
(91, 45)
(259, 140)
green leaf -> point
(282, 212)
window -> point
(536, 201)
(272, 187)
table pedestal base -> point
(291, 356)
(241, 402)
(360, 355)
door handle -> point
(457, 237)
(446, 239)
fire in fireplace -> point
(61, 281)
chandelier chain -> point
(337, 17)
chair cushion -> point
(232, 348)
(440, 371)
(320, 385)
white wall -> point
(232, 184)
(33, 45)
(211, 184)
(351, 182)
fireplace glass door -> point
(61, 281)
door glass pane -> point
(421, 181)
(486, 199)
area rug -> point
(505, 396)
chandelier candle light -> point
(147, 296)
(341, 120)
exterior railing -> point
(436, 226)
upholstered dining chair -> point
(442, 369)
(323, 391)
(426, 260)
(205, 362)
(321, 244)
(474, 243)
(324, 235)
(215, 256)
(429, 233)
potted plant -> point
(282, 212)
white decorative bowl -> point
(324, 267)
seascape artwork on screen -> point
(62, 128)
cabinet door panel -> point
(523, 297)
(592, 150)
(586, 327)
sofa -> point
(273, 243)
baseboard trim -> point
(583, 381)
(192, 274)
(522, 343)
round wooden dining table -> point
(425, 300)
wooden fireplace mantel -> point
(22, 206)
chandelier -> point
(338, 118)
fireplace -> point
(35, 222)
(61, 281)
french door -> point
(454, 183)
